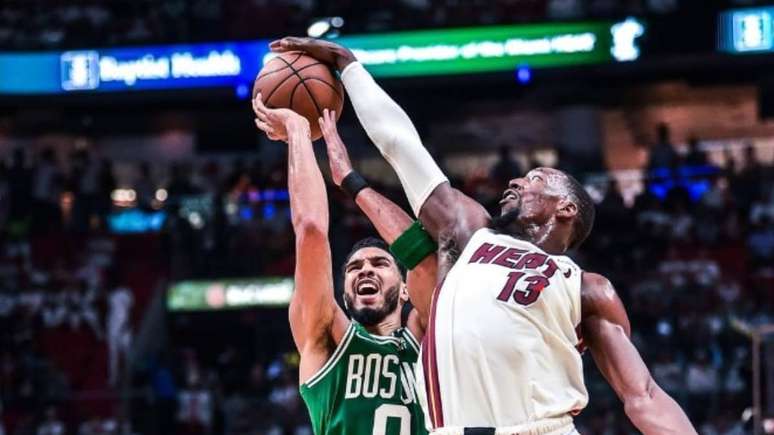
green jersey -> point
(367, 386)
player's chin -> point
(509, 207)
(369, 301)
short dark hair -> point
(584, 220)
(373, 242)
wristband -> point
(353, 183)
(413, 246)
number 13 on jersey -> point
(527, 295)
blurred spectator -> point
(565, 9)
(762, 208)
(715, 198)
(165, 391)
(180, 182)
(760, 242)
(20, 181)
(195, 407)
(746, 185)
(46, 188)
(195, 401)
(88, 188)
(668, 373)
(722, 424)
(696, 156)
(119, 334)
(107, 184)
(145, 186)
(663, 154)
(702, 377)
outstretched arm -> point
(388, 219)
(606, 330)
(316, 321)
(445, 212)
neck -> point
(387, 326)
(545, 237)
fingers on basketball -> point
(301, 83)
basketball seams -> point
(326, 83)
(281, 82)
(288, 66)
(311, 96)
(293, 94)
(302, 80)
(279, 69)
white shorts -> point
(549, 426)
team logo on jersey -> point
(377, 375)
(521, 287)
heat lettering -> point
(509, 257)
(486, 253)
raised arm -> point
(606, 331)
(446, 213)
(316, 321)
(389, 220)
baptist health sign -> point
(91, 70)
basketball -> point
(301, 83)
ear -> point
(404, 296)
(566, 209)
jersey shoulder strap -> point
(334, 358)
(412, 341)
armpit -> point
(448, 253)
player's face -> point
(373, 285)
(532, 198)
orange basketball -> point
(301, 83)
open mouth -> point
(366, 287)
(509, 195)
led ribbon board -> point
(749, 30)
(400, 54)
(229, 294)
(127, 69)
(165, 67)
(496, 48)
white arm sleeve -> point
(394, 135)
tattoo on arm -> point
(448, 252)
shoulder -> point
(600, 301)
(597, 292)
(597, 287)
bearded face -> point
(373, 286)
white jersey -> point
(500, 349)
